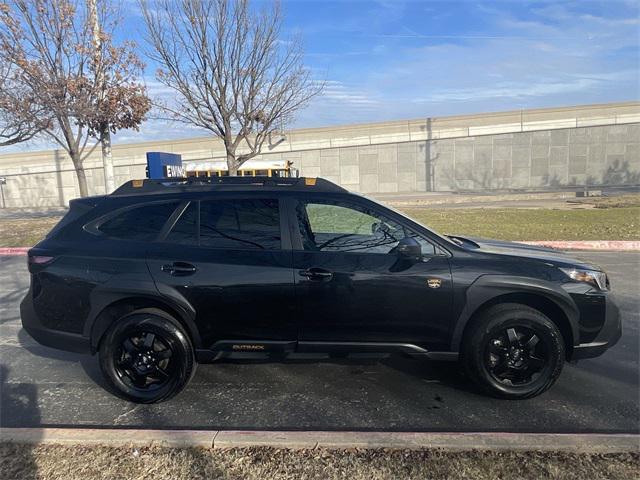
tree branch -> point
(231, 73)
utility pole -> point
(105, 133)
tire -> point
(147, 357)
(513, 351)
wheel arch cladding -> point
(539, 294)
(122, 306)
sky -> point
(394, 59)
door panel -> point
(352, 286)
(234, 272)
(374, 298)
(237, 295)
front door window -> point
(342, 227)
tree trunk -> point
(232, 165)
(107, 159)
(80, 173)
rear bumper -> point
(608, 336)
(48, 337)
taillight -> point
(39, 259)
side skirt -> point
(270, 349)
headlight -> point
(593, 277)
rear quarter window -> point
(72, 215)
(143, 222)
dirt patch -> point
(631, 200)
(69, 463)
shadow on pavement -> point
(13, 289)
(21, 400)
(446, 373)
(88, 363)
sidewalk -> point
(33, 212)
(438, 198)
(442, 198)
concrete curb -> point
(584, 443)
(595, 245)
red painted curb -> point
(14, 251)
(618, 245)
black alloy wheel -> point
(147, 357)
(144, 360)
(516, 355)
(513, 351)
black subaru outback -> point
(162, 274)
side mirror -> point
(409, 247)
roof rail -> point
(150, 186)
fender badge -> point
(434, 282)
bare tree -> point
(20, 119)
(233, 75)
(50, 44)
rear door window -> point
(240, 224)
(185, 230)
(232, 224)
(139, 223)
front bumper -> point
(607, 337)
(71, 342)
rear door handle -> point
(179, 269)
(316, 274)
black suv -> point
(162, 274)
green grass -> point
(607, 223)
(535, 224)
(25, 232)
(612, 222)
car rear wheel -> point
(513, 351)
(147, 357)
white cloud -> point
(610, 22)
(525, 63)
(336, 91)
(515, 90)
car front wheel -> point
(147, 357)
(513, 351)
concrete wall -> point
(588, 145)
(607, 155)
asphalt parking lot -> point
(45, 387)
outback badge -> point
(434, 282)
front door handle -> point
(179, 269)
(316, 274)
